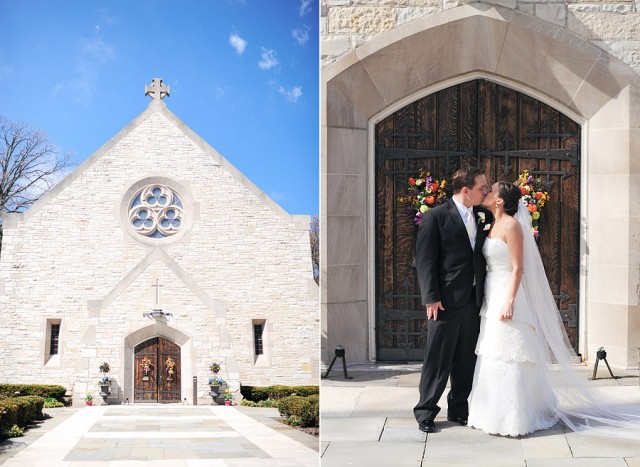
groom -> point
(451, 272)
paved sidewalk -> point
(368, 421)
(169, 435)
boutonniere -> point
(487, 227)
(481, 217)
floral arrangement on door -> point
(170, 366)
(146, 365)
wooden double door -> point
(487, 125)
(157, 371)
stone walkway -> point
(368, 421)
(157, 435)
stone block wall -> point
(71, 257)
(613, 25)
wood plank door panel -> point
(157, 384)
(490, 126)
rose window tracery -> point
(156, 211)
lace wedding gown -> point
(511, 394)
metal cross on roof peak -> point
(157, 90)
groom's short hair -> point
(465, 176)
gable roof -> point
(157, 106)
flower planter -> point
(88, 402)
(227, 402)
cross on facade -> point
(157, 90)
(157, 287)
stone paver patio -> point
(145, 435)
(368, 421)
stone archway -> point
(532, 56)
(159, 330)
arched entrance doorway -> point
(481, 123)
(157, 375)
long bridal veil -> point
(580, 407)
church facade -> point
(159, 257)
(413, 85)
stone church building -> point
(509, 85)
(156, 249)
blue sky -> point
(243, 75)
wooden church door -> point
(157, 371)
(486, 125)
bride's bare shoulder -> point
(512, 227)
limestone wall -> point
(611, 25)
(72, 257)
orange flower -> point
(523, 190)
(532, 207)
(430, 200)
(434, 187)
(412, 181)
(538, 194)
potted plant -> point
(105, 387)
(105, 381)
(88, 398)
(214, 381)
(228, 397)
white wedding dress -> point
(511, 392)
(514, 392)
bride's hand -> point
(507, 312)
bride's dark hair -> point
(510, 194)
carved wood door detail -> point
(487, 125)
(157, 371)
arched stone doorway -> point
(535, 57)
(487, 125)
(162, 341)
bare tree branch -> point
(314, 238)
(29, 165)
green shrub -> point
(20, 411)
(42, 390)
(50, 402)
(261, 393)
(266, 403)
(299, 411)
(306, 391)
(14, 432)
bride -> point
(515, 390)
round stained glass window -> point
(156, 211)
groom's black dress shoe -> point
(460, 420)
(428, 426)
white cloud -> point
(93, 54)
(238, 43)
(301, 34)
(292, 94)
(305, 7)
(220, 92)
(268, 59)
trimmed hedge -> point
(300, 411)
(42, 390)
(266, 403)
(19, 411)
(261, 393)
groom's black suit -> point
(447, 268)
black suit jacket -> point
(445, 262)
